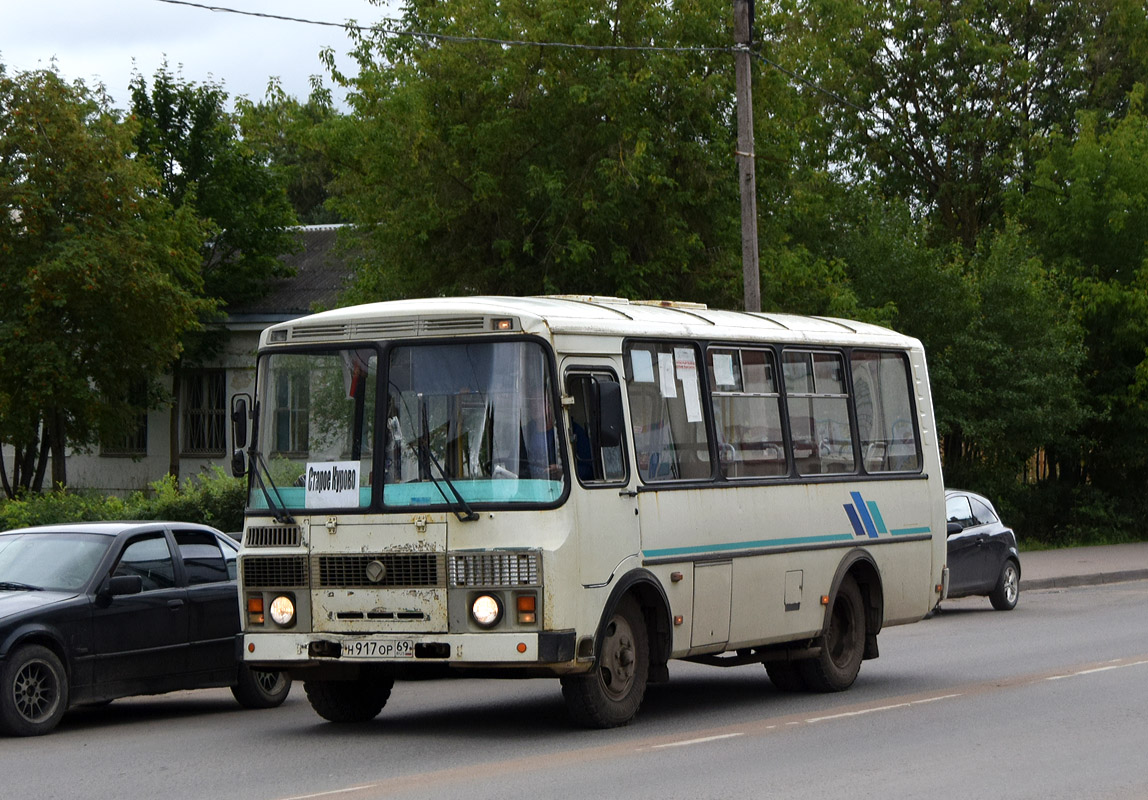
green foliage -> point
(294, 136)
(1089, 211)
(188, 136)
(957, 94)
(481, 169)
(214, 499)
(98, 273)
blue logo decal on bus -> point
(865, 517)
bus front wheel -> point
(610, 694)
(349, 701)
(836, 667)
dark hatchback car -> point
(983, 557)
(90, 612)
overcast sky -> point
(103, 42)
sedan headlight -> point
(486, 610)
(283, 611)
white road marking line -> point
(1096, 669)
(847, 714)
(697, 741)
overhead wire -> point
(459, 39)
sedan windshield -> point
(52, 561)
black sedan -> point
(94, 611)
(983, 557)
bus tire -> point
(786, 676)
(610, 694)
(359, 700)
(836, 667)
(33, 691)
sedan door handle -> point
(175, 605)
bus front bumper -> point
(285, 650)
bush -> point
(215, 499)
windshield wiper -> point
(276, 504)
(14, 586)
(467, 514)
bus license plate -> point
(378, 648)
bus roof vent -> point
(454, 324)
(388, 327)
(305, 333)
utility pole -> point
(743, 35)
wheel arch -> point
(860, 565)
(646, 589)
(37, 634)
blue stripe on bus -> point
(864, 512)
(854, 520)
(910, 531)
(681, 551)
(876, 512)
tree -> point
(1089, 212)
(209, 171)
(477, 168)
(956, 93)
(294, 135)
(186, 133)
(99, 276)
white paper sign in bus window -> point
(688, 375)
(666, 375)
(332, 484)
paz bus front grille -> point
(274, 572)
(495, 569)
(366, 570)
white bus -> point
(582, 488)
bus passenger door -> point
(603, 496)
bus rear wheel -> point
(359, 700)
(610, 694)
(836, 667)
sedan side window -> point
(202, 557)
(957, 509)
(984, 514)
(150, 558)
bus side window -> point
(597, 459)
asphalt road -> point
(1047, 701)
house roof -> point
(321, 272)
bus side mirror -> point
(609, 417)
(239, 424)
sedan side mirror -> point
(118, 585)
(954, 528)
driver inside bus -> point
(539, 458)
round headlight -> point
(283, 610)
(486, 610)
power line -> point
(456, 39)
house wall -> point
(122, 475)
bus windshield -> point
(464, 423)
(474, 421)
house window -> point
(204, 413)
(292, 403)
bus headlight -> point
(283, 611)
(486, 610)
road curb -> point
(1069, 581)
